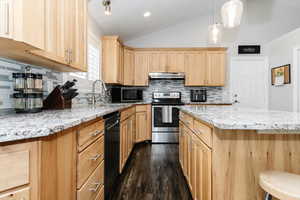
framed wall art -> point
(281, 75)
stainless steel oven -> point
(165, 117)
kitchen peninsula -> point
(223, 149)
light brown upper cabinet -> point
(78, 45)
(48, 33)
(166, 61)
(66, 34)
(216, 68)
(175, 62)
(195, 68)
(205, 68)
(158, 62)
(112, 60)
(141, 68)
(128, 78)
(21, 25)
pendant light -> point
(215, 31)
(232, 12)
(107, 7)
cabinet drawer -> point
(127, 113)
(89, 133)
(88, 160)
(204, 132)
(100, 196)
(141, 108)
(17, 195)
(91, 188)
(186, 119)
(14, 169)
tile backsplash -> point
(52, 78)
(214, 94)
(7, 67)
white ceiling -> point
(127, 15)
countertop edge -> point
(17, 136)
(259, 128)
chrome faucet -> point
(103, 91)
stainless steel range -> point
(165, 117)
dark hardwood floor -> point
(152, 173)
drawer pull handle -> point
(96, 157)
(96, 133)
(95, 188)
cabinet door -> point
(181, 141)
(123, 144)
(189, 158)
(110, 52)
(78, 30)
(132, 130)
(65, 18)
(6, 18)
(158, 62)
(201, 183)
(141, 127)
(185, 151)
(129, 136)
(175, 62)
(120, 61)
(141, 68)
(195, 69)
(216, 63)
(56, 29)
(128, 78)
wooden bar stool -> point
(282, 185)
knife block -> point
(55, 101)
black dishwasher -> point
(112, 152)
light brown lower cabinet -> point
(70, 169)
(225, 164)
(67, 165)
(200, 170)
(19, 171)
(91, 188)
(127, 135)
(143, 123)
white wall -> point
(280, 52)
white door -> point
(249, 81)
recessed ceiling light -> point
(147, 14)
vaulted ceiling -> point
(127, 15)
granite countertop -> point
(237, 118)
(24, 126)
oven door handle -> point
(165, 114)
(170, 108)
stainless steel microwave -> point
(126, 95)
